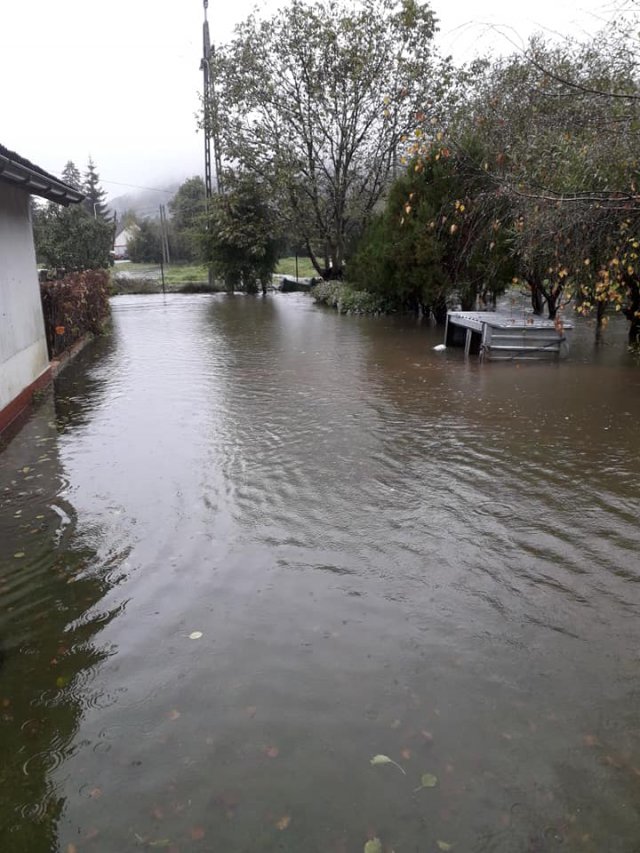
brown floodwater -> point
(246, 545)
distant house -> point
(120, 252)
(24, 361)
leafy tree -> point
(441, 237)
(146, 246)
(94, 202)
(187, 219)
(239, 243)
(559, 125)
(69, 238)
(316, 100)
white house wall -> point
(23, 347)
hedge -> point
(73, 306)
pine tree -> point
(71, 175)
(95, 195)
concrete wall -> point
(23, 347)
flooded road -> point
(247, 545)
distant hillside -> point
(144, 203)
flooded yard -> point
(247, 545)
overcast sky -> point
(118, 80)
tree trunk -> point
(537, 299)
(601, 307)
(632, 311)
(468, 299)
(439, 310)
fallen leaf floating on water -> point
(271, 751)
(442, 845)
(19, 555)
(406, 754)
(174, 715)
(195, 635)
(373, 846)
(384, 759)
(283, 823)
(427, 780)
(197, 833)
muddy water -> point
(376, 548)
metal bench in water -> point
(502, 337)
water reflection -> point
(52, 584)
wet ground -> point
(247, 545)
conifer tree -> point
(71, 175)
(95, 195)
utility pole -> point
(210, 99)
(164, 235)
(205, 65)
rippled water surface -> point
(386, 550)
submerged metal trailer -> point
(501, 337)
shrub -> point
(73, 306)
(348, 300)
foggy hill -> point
(144, 203)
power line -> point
(136, 186)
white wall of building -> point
(23, 347)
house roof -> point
(126, 234)
(21, 172)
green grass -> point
(287, 266)
(173, 273)
(181, 273)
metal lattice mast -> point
(205, 65)
(210, 113)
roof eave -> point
(37, 184)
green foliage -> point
(316, 100)
(440, 237)
(73, 306)
(188, 219)
(239, 243)
(558, 124)
(146, 245)
(71, 239)
(347, 300)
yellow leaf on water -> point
(373, 846)
(283, 822)
(442, 845)
(19, 555)
(427, 780)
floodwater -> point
(247, 545)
